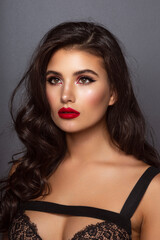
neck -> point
(90, 145)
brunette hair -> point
(44, 142)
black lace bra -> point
(116, 226)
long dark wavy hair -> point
(45, 144)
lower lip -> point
(68, 115)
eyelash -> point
(87, 78)
(50, 79)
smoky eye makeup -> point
(81, 77)
(85, 79)
(53, 80)
(53, 77)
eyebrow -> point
(74, 74)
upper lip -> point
(69, 110)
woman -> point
(85, 146)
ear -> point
(113, 98)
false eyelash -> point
(50, 80)
(87, 78)
(80, 78)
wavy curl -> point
(44, 142)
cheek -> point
(51, 98)
(97, 97)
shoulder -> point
(153, 191)
(151, 210)
(151, 182)
(154, 183)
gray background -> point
(23, 23)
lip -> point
(68, 113)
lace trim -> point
(102, 231)
(32, 225)
(23, 228)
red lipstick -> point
(68, 113)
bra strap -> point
(138, 191)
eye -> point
(85, 80)
(53, 80)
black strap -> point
(83, 211)
(138, 191)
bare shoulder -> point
(153, 191)
(151, 211)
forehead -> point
(75, 59)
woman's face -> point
(77, 79)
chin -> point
(75, 129)
(70, 130)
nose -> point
(67, 93)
